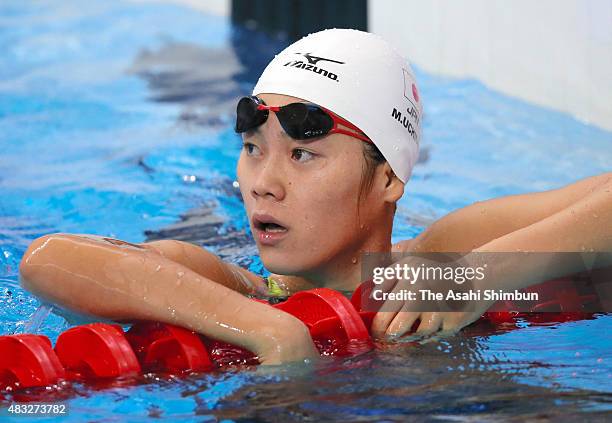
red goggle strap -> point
(272, 108)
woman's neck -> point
(345, 272)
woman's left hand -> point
(393, 324)
(399, 317)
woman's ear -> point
(393, 188)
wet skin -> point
(311, 190)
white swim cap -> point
(361, 78)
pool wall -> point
(552, 53)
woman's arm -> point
(474, 226)
(575, 218)
(583, 226)
(125, 282)
(209, 265)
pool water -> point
(116, 119)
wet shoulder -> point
(403, 246)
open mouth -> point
(270, 227)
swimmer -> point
(330, 137)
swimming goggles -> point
(301, 121)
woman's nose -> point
(269, 176)
(268, 181)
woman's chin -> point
(282, 263)
(280, 267)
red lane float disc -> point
(357, 301)
(224, 354)
(28, 361)
(334, 324)
(559, 301)
(168, 348)
(96, 350)
(316, 305)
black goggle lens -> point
(304, 121)
(247, 115)
(300, 121)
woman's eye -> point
(250, 148)
(302, 155)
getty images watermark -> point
(522, 281)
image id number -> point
(33, 409)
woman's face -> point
(301, 197)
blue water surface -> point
(115, 119)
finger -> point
(389, 310)
(451, 325)
(383, 318)
(381, 322)
(402, 323)
(430, 323)
(458, 320)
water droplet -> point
(354, 260)
(396, 148)
(158, 267)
